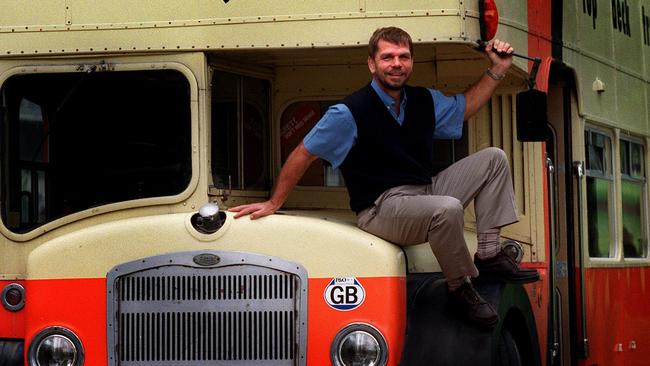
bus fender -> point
(436, 335)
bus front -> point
(118, 128)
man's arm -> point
(293, 169)
(479, 93)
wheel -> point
(508, 351)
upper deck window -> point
(72, 141)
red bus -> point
(123, 124)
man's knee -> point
(496, 159)
(495, 154)
(449, 210)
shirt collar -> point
(389, 102)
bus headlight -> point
(359, 345)
(55, 346)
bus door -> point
(566, 324)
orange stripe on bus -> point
(12, 323)
(384, 308)
(77, 304)
(80, 305)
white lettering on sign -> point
(345, 293)
(296, 123)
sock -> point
(488, 243)
(453, 284)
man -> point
(382, 138)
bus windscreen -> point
(73, 141)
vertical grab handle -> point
(579, 174)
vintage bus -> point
(123, 123)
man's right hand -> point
(295, 166)
(255, 210)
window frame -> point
(331, 102)
(644, 196)
(614, 202)
(231, 196)
(117, 64)
(303, 197)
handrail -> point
(579, 173)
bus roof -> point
(55, 27)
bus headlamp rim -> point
(358, 327)
(41, 336)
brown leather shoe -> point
(471, 306)
(504, 267)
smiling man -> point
(382, 138)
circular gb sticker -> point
(344, 293)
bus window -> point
(296, 121)
(33, 137)
(633, 199)
(72, 141)
(240, 132)
(600, 179)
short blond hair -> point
(389, 34)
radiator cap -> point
(209, 219)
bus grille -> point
(237, 312)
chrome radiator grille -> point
(206, 287)
(206, 336)
(171, 311)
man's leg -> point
(406, 216)
(485, 177)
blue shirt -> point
(336, 132)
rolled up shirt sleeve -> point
(333, 136)
(450, 113)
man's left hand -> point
(500, 53)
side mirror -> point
(531, 116)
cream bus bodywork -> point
(316, 53)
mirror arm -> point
(533, 72)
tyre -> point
(507, 350)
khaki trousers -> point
(414, 214)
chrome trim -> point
(363, 327)
(171, 299)
(35, 344)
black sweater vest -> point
(388, 155)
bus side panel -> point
(383, 308)
(539, 27)
(77, 304)
(539, 301)
(618, 320)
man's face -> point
(392, 65)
